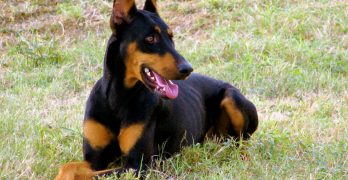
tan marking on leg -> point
(234, 114)
(97, 135)
(129, 136)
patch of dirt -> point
(40, 18)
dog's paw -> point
(75, 171)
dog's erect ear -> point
(151, 5)
(122, 12)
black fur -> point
(173, 123)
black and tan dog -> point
(146, 99)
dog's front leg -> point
(136, 142)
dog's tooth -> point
(152, 78)
(148, 74)
(147, 70)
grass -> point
(289, 57)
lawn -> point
(288, 57)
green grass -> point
(289, 57)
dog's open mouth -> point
(161, 86)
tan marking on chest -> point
(97, 135)
(129, 136)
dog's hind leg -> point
(238, 116)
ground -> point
(289, 57)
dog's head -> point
(147, 48)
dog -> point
(148, 98)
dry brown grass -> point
(25, 19)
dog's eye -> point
(152, 39)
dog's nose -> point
(185, 69)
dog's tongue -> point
(166, 88)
